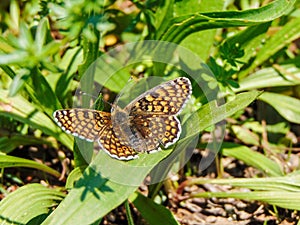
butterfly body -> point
(142, 126)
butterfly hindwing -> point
(114, 145)
(156, 130)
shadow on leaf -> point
(93, 182)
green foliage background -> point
(46, 47)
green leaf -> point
(289, 183)
(5, 46)
(65, 84)
(75, 175)
(42, 93)
(11, 161)
(163, 17)
(14, 57)
(288, 33)
(246, 41)
(153, 213)
(8, 144)
(284, 199)
(41, 34)
(113, 75)
(102, 188)
(18, 82)
(183, 26)
(252, 158)
(128, 213)
(25, 40)
(280, 75)
(245, 135)
(30, 201)
(201, 42)
(14, 19)
(211, 112)
(281, 191)
(21, 110)
(287, 107)
(90, 55)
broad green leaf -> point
(107, 182)
(252, 158)
(287, 107)
(11, 161)
(185, 25)
(21, 110)
(29, 202)
(152, 212)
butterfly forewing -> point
(165, 99)
(85, 123)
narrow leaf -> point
(287, 107)
(289, 201)
(279, 75)
(252, 158)
(11, 161)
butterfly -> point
(142, 126)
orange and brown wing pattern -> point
(83, 123)
(150, 121)
(93, 125)
(111, 142)
(165, 99)
(156, 130)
